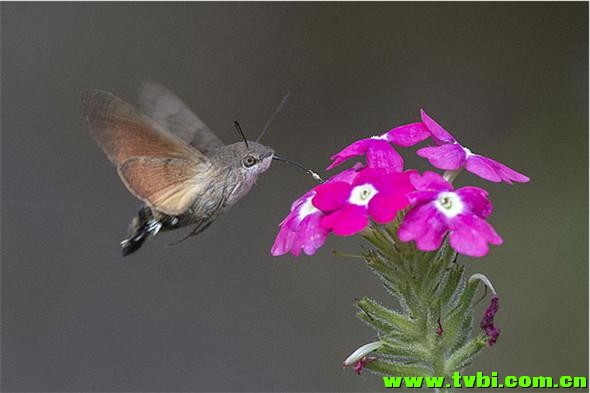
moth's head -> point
(254, 158)
(250, 157)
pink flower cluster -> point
(347, 202)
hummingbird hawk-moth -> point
(171, 161)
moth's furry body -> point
(218, 197)
(170, 160)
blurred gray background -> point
(218, 313)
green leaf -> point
(459, 320)
(395, 347)
(378, 324)
(453, 279)
(387, 271)
(376, 311)
(463, 356)
(393, 368)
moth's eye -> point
(249, 161)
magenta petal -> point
(308, 237)
(492, 170)
(355, 149)
(447, 157)
(418, 198)
(508, 175)
(475, 200)
(425, 225)
(300, 230)
(398, 183)
(408, 135)
(383, 208)
(371, 175)
(470, 234)
(380, 154)
(389, 185)
(383, 179)
(292, 221)
(483, 168)
(430, 181)
(330, 196)
(439, 134)
(348, 175)
(347, 221)
(284, 243)
(311, 236)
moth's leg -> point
(198, 229)
(153, 226)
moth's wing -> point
(155, 165)
(168, 110)
(122, 132)
(170, 185)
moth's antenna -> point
(298, 165)
(271, 118)
(239, 128)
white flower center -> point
(362, 195)
(382, 137)
(449, 204)
(306, 208)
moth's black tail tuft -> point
(142, 226)
(129, 246)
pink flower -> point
(301, 230)
(408, 135)
(374, 192)
(379, 154)
(450, 155)
(378, 150)
(437, 209)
